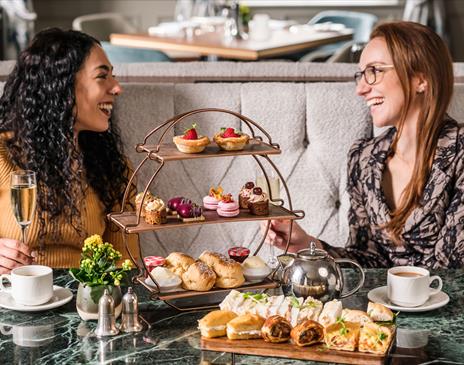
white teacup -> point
(409, 286)
(30, 285)
(259, 27)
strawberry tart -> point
(191, 142)
(230, 139)
(228, 207)
(212, 200)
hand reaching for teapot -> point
(278, 235)
(13, 254)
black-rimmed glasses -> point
(372, 74)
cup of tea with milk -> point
(409, 286)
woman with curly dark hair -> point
(55, 119)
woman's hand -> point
(13, 254)
(278, 235)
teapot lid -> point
(312, 253)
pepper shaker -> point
(130, 312)
(106, 322)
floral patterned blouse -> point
(433, 234)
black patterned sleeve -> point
(449, 248)
(360, 246)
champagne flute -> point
(23, 198)
(274, 183)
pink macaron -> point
(210, 202)
(229, 209)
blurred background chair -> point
(102, 25)
(362, 25)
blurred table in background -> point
(281, 42)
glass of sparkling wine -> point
(274, 183)
(23, 198)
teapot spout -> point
(286, 259)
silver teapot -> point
(313, 272)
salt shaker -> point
(106, 322)
(130, 312)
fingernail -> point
(34, 254)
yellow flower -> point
(93, 240)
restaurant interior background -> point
(146, 13)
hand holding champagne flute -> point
(23, 198)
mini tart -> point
(191, 145)
(231, 143)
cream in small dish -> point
(255, 269)
(166, 279)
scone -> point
(198, 277)
(229, 273)
(190, 142)
(230, 139)
(179, 262)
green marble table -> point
(60, 337)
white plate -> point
(60, 297)
(164, 289)
(379, 295)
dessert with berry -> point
(228, 207)
(230, 139)
(190, 141)
(245, 193)
(155, 211)
(211, 200)
(258, 202)
(189, 212)
(138, 202)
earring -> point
(420, 90)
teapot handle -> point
(361, 272)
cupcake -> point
(155, 211)
(245, 193)
(230, 139)
(213, 198)
(258, 202)
(138, 202)
(228, 207)
(190, 141)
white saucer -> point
(60, 296)
(379, 295)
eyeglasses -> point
(372, 74)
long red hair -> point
(417, 50)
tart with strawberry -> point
(190, 141)
(230, 139)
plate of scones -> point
(181, 272)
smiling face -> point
(95, 90)
(385, 98)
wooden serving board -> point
(318, 352)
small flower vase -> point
(88, 297)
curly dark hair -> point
(37, 106)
